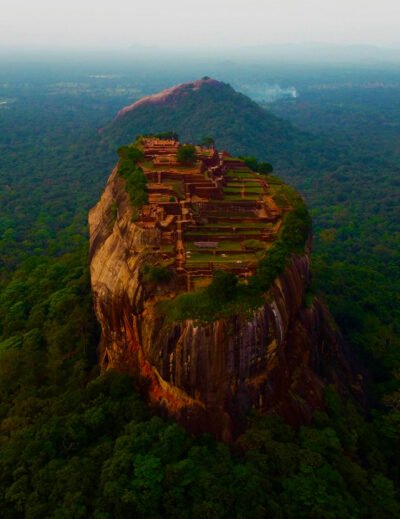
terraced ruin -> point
(213, 213)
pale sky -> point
(121, 24)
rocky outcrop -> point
(171, 96)
(209, 375)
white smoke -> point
(266, 92)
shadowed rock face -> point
(210, 376)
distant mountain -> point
(207, 107)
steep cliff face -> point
(209, 375)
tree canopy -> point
(186, 154)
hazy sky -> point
(120, 24)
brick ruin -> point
(213, 214)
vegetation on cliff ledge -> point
(135, 179)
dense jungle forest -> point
(74, 444)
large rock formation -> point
(172, 96)
(209, 376)
(210, 107)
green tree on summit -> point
(265, 168)
(208, 141)
(186, 154)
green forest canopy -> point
(73, 444)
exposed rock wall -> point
(209, 376)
